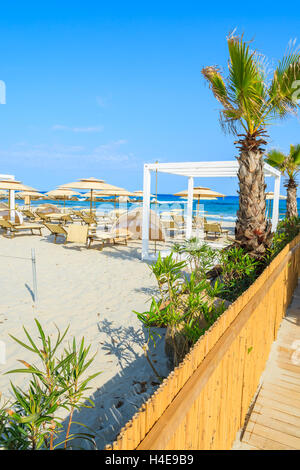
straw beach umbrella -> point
(117, 192)
(92, 184)
(62, 194)
(140, 194)
(270, 197)
(28, 195)
(199, 193)
(13, 185)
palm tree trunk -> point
(291, 202)
(252, 232)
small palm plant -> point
(250, 100)
(289, 165)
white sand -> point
(94, 292)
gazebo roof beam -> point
(206, 169)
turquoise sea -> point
(219, 209)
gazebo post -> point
(275, 212)
(189, 221)
(146, 212)
(91, 203)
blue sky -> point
(99, 88)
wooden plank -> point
(277, 405)
(271, 422)
(277, 414)
(274, 422)
(288, 366)
(263, 443)
(277, 436)
(283, 384)
(281, 390)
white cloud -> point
(59, 127)
(47, 156)
(110, 146)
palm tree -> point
(290, 166)
(250, 100)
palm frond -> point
(217, 85)
(246, 79)
(282, 89)
(295, 154)
(276, 159)
(249, 98)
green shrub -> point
(31, 420)
(238, 271)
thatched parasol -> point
(92, 184)
(63, 194)
(199, 193)
(12, 185)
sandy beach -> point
(95, 293)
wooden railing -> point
(204, 401)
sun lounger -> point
(56, 230)
(77, 234)
(43, 217)
(88, 219)
(54, 217)
(31, 215)
(77, 213)
(179, 220)
(215, 228)
(117, 236)
(64, 218)
(198, 222)
(13, 228)
(74, 233)
(171, 227)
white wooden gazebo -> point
(193, 170)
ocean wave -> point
(221, 217)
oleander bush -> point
(31, 420)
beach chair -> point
(14, 228)
(198, 222)
(77, 234)
(117, 236)
(56, 230)
(43, 217)
(60, 218)
(215, 228)
(30, 215)
(67, 218)
(76, 214)
(179, 221)
(88, 219)
(171, 227)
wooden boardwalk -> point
(274, 418)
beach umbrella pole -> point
(33, 262)
(91, 202)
